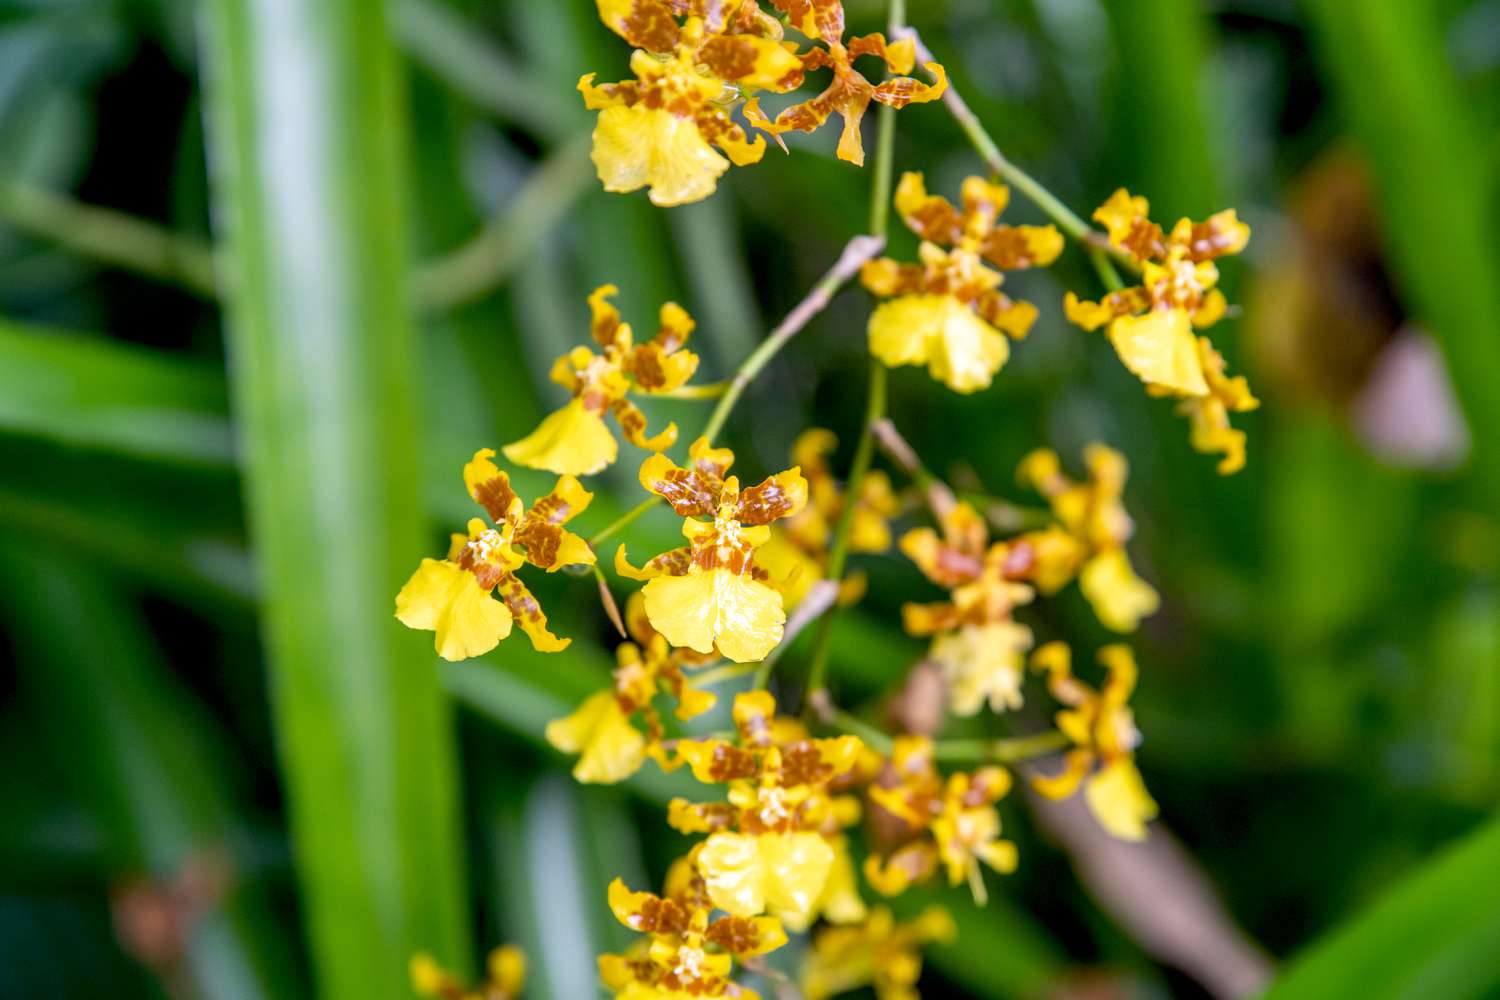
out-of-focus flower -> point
(948, 312)
(505, 975)
(979, 644)
(710, 594)
(611, 748)
(685, 954)
(796, 555)
(574, 440)
(1088, 542)
(773, 846)
(454, 596)
(1102, 730)
(658, 130)
(951, 823)
(880, 953)
(1151, 324)
(849, 94)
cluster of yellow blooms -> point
(776, 851)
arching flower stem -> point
(1101, 254)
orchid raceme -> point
(692, 59)
(947, 312)
(979, 645)
(1088, 542)
(575, 440)
(849, 94)
(611, 748)
(796, 555)
(505, 975)
(710, 594)
(685, 953)
(1102, 729)
(1151, 324)
(881, 953)
(951, 824)
(774, 845)
(454, 597)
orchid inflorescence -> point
(815, 811)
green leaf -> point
(308, 135)
(104, 394)
(1435, 935)
(132, 744)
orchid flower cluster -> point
(809, 817)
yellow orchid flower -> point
(1104, 736)
(849, 94)
(1151, 324)
(611, 749)
(505, 975)
(685, 953)
(1089, 540)
(658, 130)
(947, 312)
(710, 594)
(574, 440)
(953, 824)
(980, 647)
(880, 953)
(773, 847)
(454, 596)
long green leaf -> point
(307, 130)
(130, 743)
(1434, 935)
(105, 394)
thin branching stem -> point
(864, 451)
(856, 252)
(1101, 254)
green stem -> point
(864, 451)
(110, 237)
(856, 252)
(877, 740)
(708, 390)
(1010, 750)
(1101, 254)
(623, 521)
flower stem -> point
(864, 451)
(1101, 254)
(856, 252)
(875, 738)
(620, 523)
(1010, 750)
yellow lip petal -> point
(612, 749)
(702, 610)
(636, 147)
(1119, 597)
(447, 599)
(573, 441)
(1118, 799)
(1160, 349)
(959, 349)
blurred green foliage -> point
(191, 703)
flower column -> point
(307, 141)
